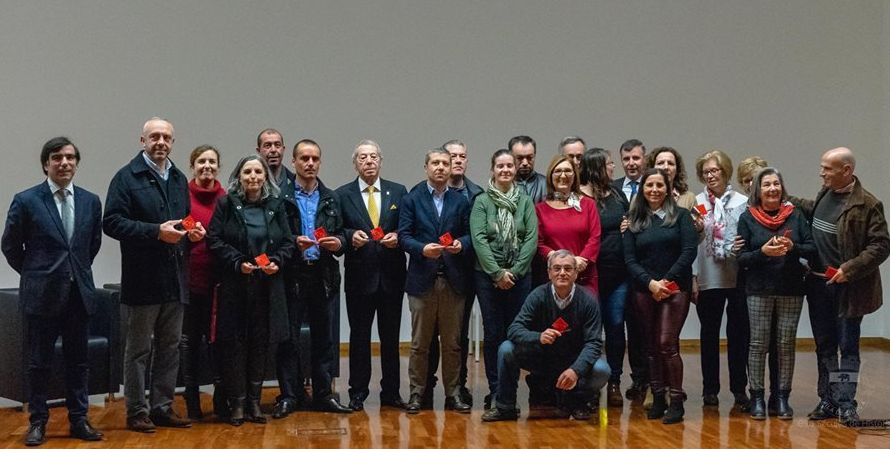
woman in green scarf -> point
(504, 229)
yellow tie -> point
(372, 207)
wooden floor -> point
(623, 427)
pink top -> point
(578, 232)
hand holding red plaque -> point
(830, 272)
(701, 209)
(188, 223)
(673, 287)
(377, 233)
(320, 233)
(446, 239)
(262, 260)
(560, 325)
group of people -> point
(556, 260)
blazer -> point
(373, 266)
(152, 272)
(36, 247)
(228, 242)
(419, 225)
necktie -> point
(372, 207)
(67, 213)
(633, 188)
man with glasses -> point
(557, 336)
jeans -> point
(837, 378)
(613, 298)
(510, 362)
(499, 308)
(710, 307)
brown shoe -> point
(141, 423)
(169, 419)
(613, 395)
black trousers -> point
(195, 332)
(710, 307)
(360, 310)
(244, 356)
(637, 349)
(43, 331)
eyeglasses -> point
(559, 268)
(564, 171)
(711, 172)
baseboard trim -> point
(688, 344)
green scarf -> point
(506, 203)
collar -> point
(848, 188)
(435, 192)
(156, 167)
(627, 181)
(310, 191)
(362, 185)
(562, 302)
(660, 213)
(53, 187)
(463, 184)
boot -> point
(659, 405)
(220, 407)
(675, 412)
(771, 405)
(193, 403)
(758, 407)
(236, 411)
(783, 408)
(252, 410)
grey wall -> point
(785, 80)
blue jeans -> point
(509, 364)
(613, 297)
(499, 308)
(837, 379)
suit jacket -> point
(419, 225)
(373, 266)
(35, 246)
(152, 272)
(618, 185)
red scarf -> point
(768, 221)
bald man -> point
(850, 233)
(147, 199)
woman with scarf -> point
(715, 286)
(776, 237)
(569, 220)
(504, 230)
(204, 190)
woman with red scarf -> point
(204, 190)
(776, 237)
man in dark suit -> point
(633, 161)
(434, 225)
(375, 274)
(53, 233)
(147, 200)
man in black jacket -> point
(557, 336)
(319, 231)
(147, 200)
(375, 274)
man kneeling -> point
(557, 337)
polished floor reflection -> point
(624, 427)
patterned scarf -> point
(506, 203)
(768, 221)
(717, 221)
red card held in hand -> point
(830, 272)
(188, 223)
(673, 287)
(701, 209)
(320, 233)
(446, 239)
(377, 233)
(560, 325)
(262, 260)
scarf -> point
(716, 221)
(506, 204)
(768, 221)
(572, 200)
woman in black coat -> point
(250, 239)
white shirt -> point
(54, 188)
(626, 187)
(562, 303)
(362, 185)
(163, 173)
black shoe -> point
(36, 434)
(674, 412)
(847, 414)
(757, 408)
(824, 410)
(395, 402)
(466, 396)
(710, 400)
(497, 414)
(742, 403)
(455, 403)
(283, 408)
(357, 404)
(252, 411)
(84, 431)
(659, 406)
(236, 411)
(169, 419)
(783, 408)
(331, 405)
(637, 391)
(583, 413)
(414, 404)
(613, 395)
(141, 423)
(193, 403)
